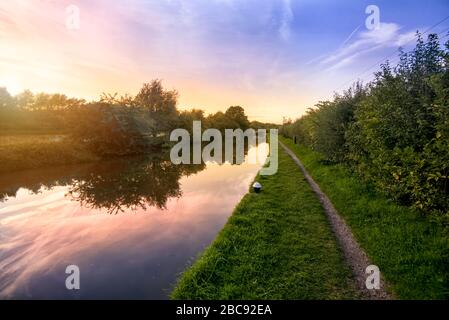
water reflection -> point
(115, 186)
(52, 218)
(135, 184)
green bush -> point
(395, 131)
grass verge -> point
(411, 251)
(276, 245)
(30, 152)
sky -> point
(276, 58)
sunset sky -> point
(276, 58)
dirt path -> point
(354, 255)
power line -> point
(444, 31)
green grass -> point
(21, 152)
(410, 250)
(276, 245)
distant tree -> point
(187, 117)
(52, 102)
(113, 99)
(109, 98)
(93, 126)
(161, 103)
(6, 100)
(43, 101)
(237, 114)
(262, 125)
(25, 99)
(286, 121)
(220, 121)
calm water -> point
(130, 225)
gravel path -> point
(354, 255)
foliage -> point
(187, 117)
(411, 251)
(160, 103)
(220, 121)
(92, 126)
(395, 131)
(237, 114)
(261, 125)
(233, 118)
(112, 126)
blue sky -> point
(274, 57)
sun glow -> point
(12, 84)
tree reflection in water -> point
(115, 185)
(138, 184)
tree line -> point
(394, 131)
(94, 123)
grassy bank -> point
(21, 152)
(411, 251)
(276, 245)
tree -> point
(160, 103)
(220, 121)
(6, 100)
(399, 138)
(395, 131)
(237, 114)
(25, 99)
(113, 99)
(186, 118)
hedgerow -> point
(394, 131)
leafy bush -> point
(395, 131)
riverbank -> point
(411, 251)
(21, 152)
(276, 245)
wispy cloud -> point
(286, 20)
(387, 35)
